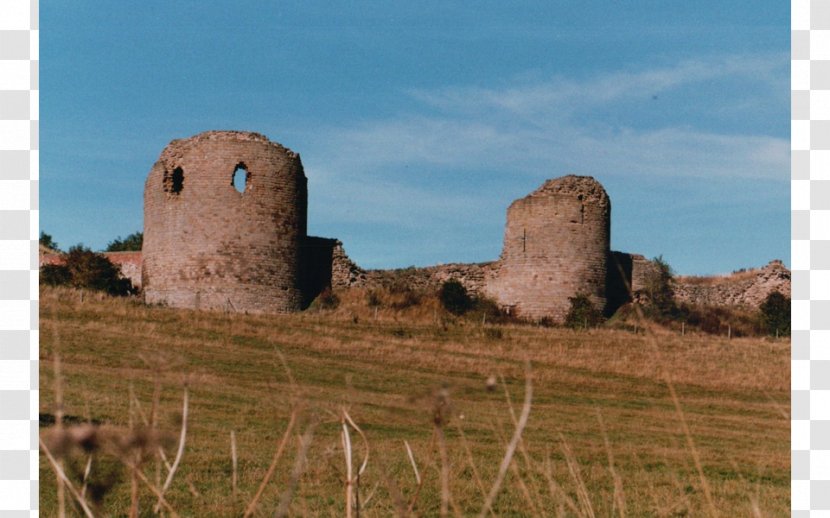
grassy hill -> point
(604, 436)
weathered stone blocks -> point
(556, 245)
(207, 245)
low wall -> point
(128, 262)
(747, 288)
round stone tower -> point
(224, 216)
(556, 245)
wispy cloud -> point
(547, 128)
(564, 96)
(456, 156)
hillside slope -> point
(395, 378)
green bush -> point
(582, 313)
(131, 243)
(659, 288)
(47, 241)
(83, 268)
(487, 310)
(454, 297)
(55, 275)
(775, 314)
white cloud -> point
(459, 155)
(563, 95)
(542, 129)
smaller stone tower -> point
(211, 245)
(556, 245)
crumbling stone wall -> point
(556, 245)
(345, 273)
(206, 245)
(747, 288)
(628, 277)
(129, 263)
(642, 270)
(429, 279)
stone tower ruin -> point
(206, 244)
(556, 245)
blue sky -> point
(419, 123)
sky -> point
(419, 123)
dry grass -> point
(603, 437)
(712, 280)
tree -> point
(83, 268)
(659, 287)
(775, 314)
(454, 297)
(47, 241)
(131, 243)
(55, 275)
(582, 313)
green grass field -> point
(604, 436)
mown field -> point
(604, 435)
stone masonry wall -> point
(346, 274)
(206, 245)
(129, 263)
(473, 277)
(556, 245)
(748, 288)
(641, 270)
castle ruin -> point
(225, 227)
(209, 245)
(556, 245)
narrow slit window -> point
(241, 179)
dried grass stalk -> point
(529, 467)
(445, 471)
(59, 473)
(179, 452)
(410, 508)
(511, 448)
(353, 482)
(619, 496)
(556, 490)
(573, 468)
(156, 491)
(412, 461)
(277, 454)
(652, 339)
(297, 471)
(233, 463)
(347, 452)
(59, 426)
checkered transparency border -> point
(18, 258)
(810, 257)
(19, 36)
